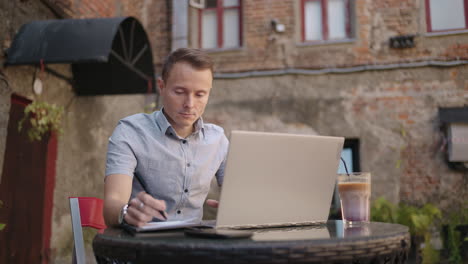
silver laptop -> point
(274, 179)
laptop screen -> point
(278, 179)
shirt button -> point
(188, 164)
(184, 141)
(178, 211)
(186, 190)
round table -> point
(332, 242)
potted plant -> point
(419, 220)
(42, 118)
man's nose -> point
(189, 101)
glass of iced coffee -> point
(355, 190)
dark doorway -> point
(26, 189)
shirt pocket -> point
(203, 181)
(163, 178)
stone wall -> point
(88, 121)
(392, 112)
(88, 124)
(13, 15)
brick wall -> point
(86, 8)
(375, 22)
(393, 113)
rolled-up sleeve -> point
(120, 155)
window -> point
(350, 155)
(325, 20)
(444, 15)
(219, 24)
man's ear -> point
(160, 85)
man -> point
(160, 165)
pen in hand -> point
(162, 217)
(163, 213)
(143, 184)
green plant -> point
(383, 211)
(43, 118)
(452, 237)
(2, 225)
(419, 220)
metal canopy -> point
(108, 55)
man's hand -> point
(117, 191)
(143, 208)
(212, 203)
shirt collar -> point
(165, 126)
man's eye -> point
(200, 94)
(179, 92)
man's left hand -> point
(212, 203)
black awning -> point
(108, 55)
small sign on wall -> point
(454, 125)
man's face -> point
(185, 95)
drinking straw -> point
(345, 167)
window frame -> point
(353, 144)
(429, 20)
(219, 23)
(325, 33)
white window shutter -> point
(231, 28)
(313, 20)
(336, 19)
(447, 14)
(209, 30)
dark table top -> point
(330, 242)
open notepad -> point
(154, 226)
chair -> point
(87, 212)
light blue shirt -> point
(176, 170)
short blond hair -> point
(194, 57)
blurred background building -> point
(377, 72)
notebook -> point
(273, 179)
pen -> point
(143, 184)
(163, 213)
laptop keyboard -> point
(285, 226)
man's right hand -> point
(143, 208)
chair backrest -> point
(85, 211)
